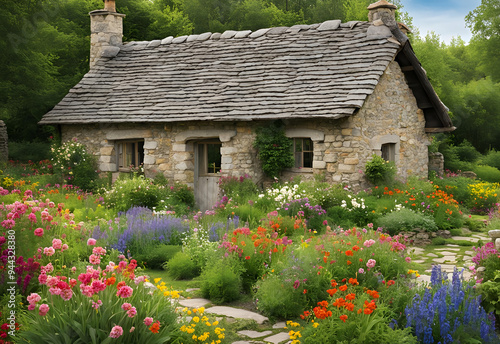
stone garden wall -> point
(341, 147)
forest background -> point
(44, 51)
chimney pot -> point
(376, 8)
(109, 5)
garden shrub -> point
(72, 161)
(487, 173)
(181, 267)
(492, 159)
(238, 189)
(275, 301)
(438, 241)
(25, 151)
(405, 220)
(158, 256)
(377, 170)
(274, 149)
(467, 152)
(484, 197)
(129, 192)
(220, 282)
(490, 292)
(201, 244)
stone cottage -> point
(188, 106)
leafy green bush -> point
(276, 301)
(438, 241)
(466, 152)
(238, 189)
(181, 266)
(274, 149)
(72, 161)
(158, 256)
(377, 170)
(129, 192)
(458, 186)
(492, 159)
(220, 283)
(487, 173)
(25, 151)
(404, 220)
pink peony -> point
(99, 250)
(98, 286)
(116, 332)
(56, 244)
(371, 263)
(64, 247)
(34, 298)
(368, 243)
(47, 268)
(86, 290)
(55, 291)
(44, 308)
(42, 278)
(131, 312)
(39, 232)
(49, 251)
(125, 291)
(148, 321)
(408, 259)
(73, 269)
(361, 271)
(66, 294)
(31, 307)
(126, 306)
(94, 259)
(92, 242)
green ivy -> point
(274, 149)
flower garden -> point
(109, 265)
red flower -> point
(349, 253)
(331, 292)
(155, 327)
(343, 317)
(247, 257)
(343, 288)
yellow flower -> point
(208, 324)
(215, 323)
(315, 325)
(201, 310)
(196, 319)
(157, 280)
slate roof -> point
(306, 71)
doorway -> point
(208, 161)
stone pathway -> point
(447, 257)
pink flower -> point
(132, 329)
(408, 259)
(148, 321)
(94, 259)
(31, 307)
(49, 251)
(34, 298)
(368, 243)
(361, 271)
(73, 269)
(52, 281)
(92, 242)
(39, 232)
(32, 217)
(47, 268)
(99, 250)
(116, 332)
(56, 244)
(97, 304)
(55, 291)
(64, 247)
(87, 290)
(98, 286)
(125, 291)
(42, 278)
(66, 294)
(44, 308)
(371, 263)
(126, 306)
(131, 312)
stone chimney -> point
(106, 32)
(377, 10)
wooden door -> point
(207, 165)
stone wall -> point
(436, 163)
(341, 147)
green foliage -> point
(466, 152)
(276, 301)
(181, 266)
(490, 292)
(72, 161)
(157, 256)
(127, 193)
(238, 189)
(406, 220)
(220, 283)
(377, 170)
(274, 149)
(25, 151)
(438, 241)
(487, 173)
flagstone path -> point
(449, 257)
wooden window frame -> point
(203, 164)
(302, 151)
(137, 156)
(388, 151)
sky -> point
(444, 17)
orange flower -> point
(331, 291)
(373, 293)
(305, 291)
(343, 317)
(349, 306)
(350, 296)
(334, 284)
(120, 284)
(349, 262)
(355, 248)
(349, 253)
(111, 281)
(353, 281)
(343, 288)
(340, 302)
(155, 327)
(368, 311)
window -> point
(303, 152)
(130, 153)
(388, 151)
(209, 157)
